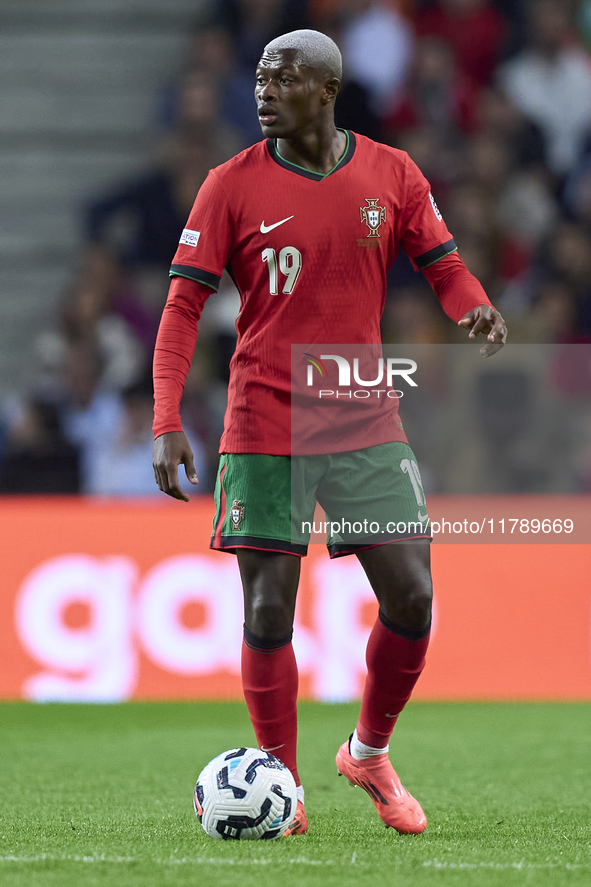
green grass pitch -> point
(102, 795)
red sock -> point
(394, 664)
(270, 684)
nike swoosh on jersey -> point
(422, 517)
(274, 748)
(264, 229)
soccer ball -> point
(245, 794)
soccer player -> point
(308, 221)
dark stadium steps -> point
(80, 85)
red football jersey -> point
(309, 255)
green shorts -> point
(369, 496)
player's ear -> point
(331, 90)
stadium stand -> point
(125, 107)
(78, 89)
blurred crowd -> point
(492, 99)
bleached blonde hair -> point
(314, 50)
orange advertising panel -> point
(107, 601)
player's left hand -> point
(486, 320)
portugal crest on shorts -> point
(237, 513)
(373, 215)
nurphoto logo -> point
(385, 370)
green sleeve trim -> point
(439, 258)
(194, 279)
(196, 274)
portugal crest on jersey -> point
(373, 215)
(237, 513)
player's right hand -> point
(171, 450)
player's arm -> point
(173, 354)
(205, 246)
(463, 299)
(432, 250)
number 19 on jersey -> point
(289, 265)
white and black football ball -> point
(245, 794)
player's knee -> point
(412, 608)
(268, 619)
(418, 605)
